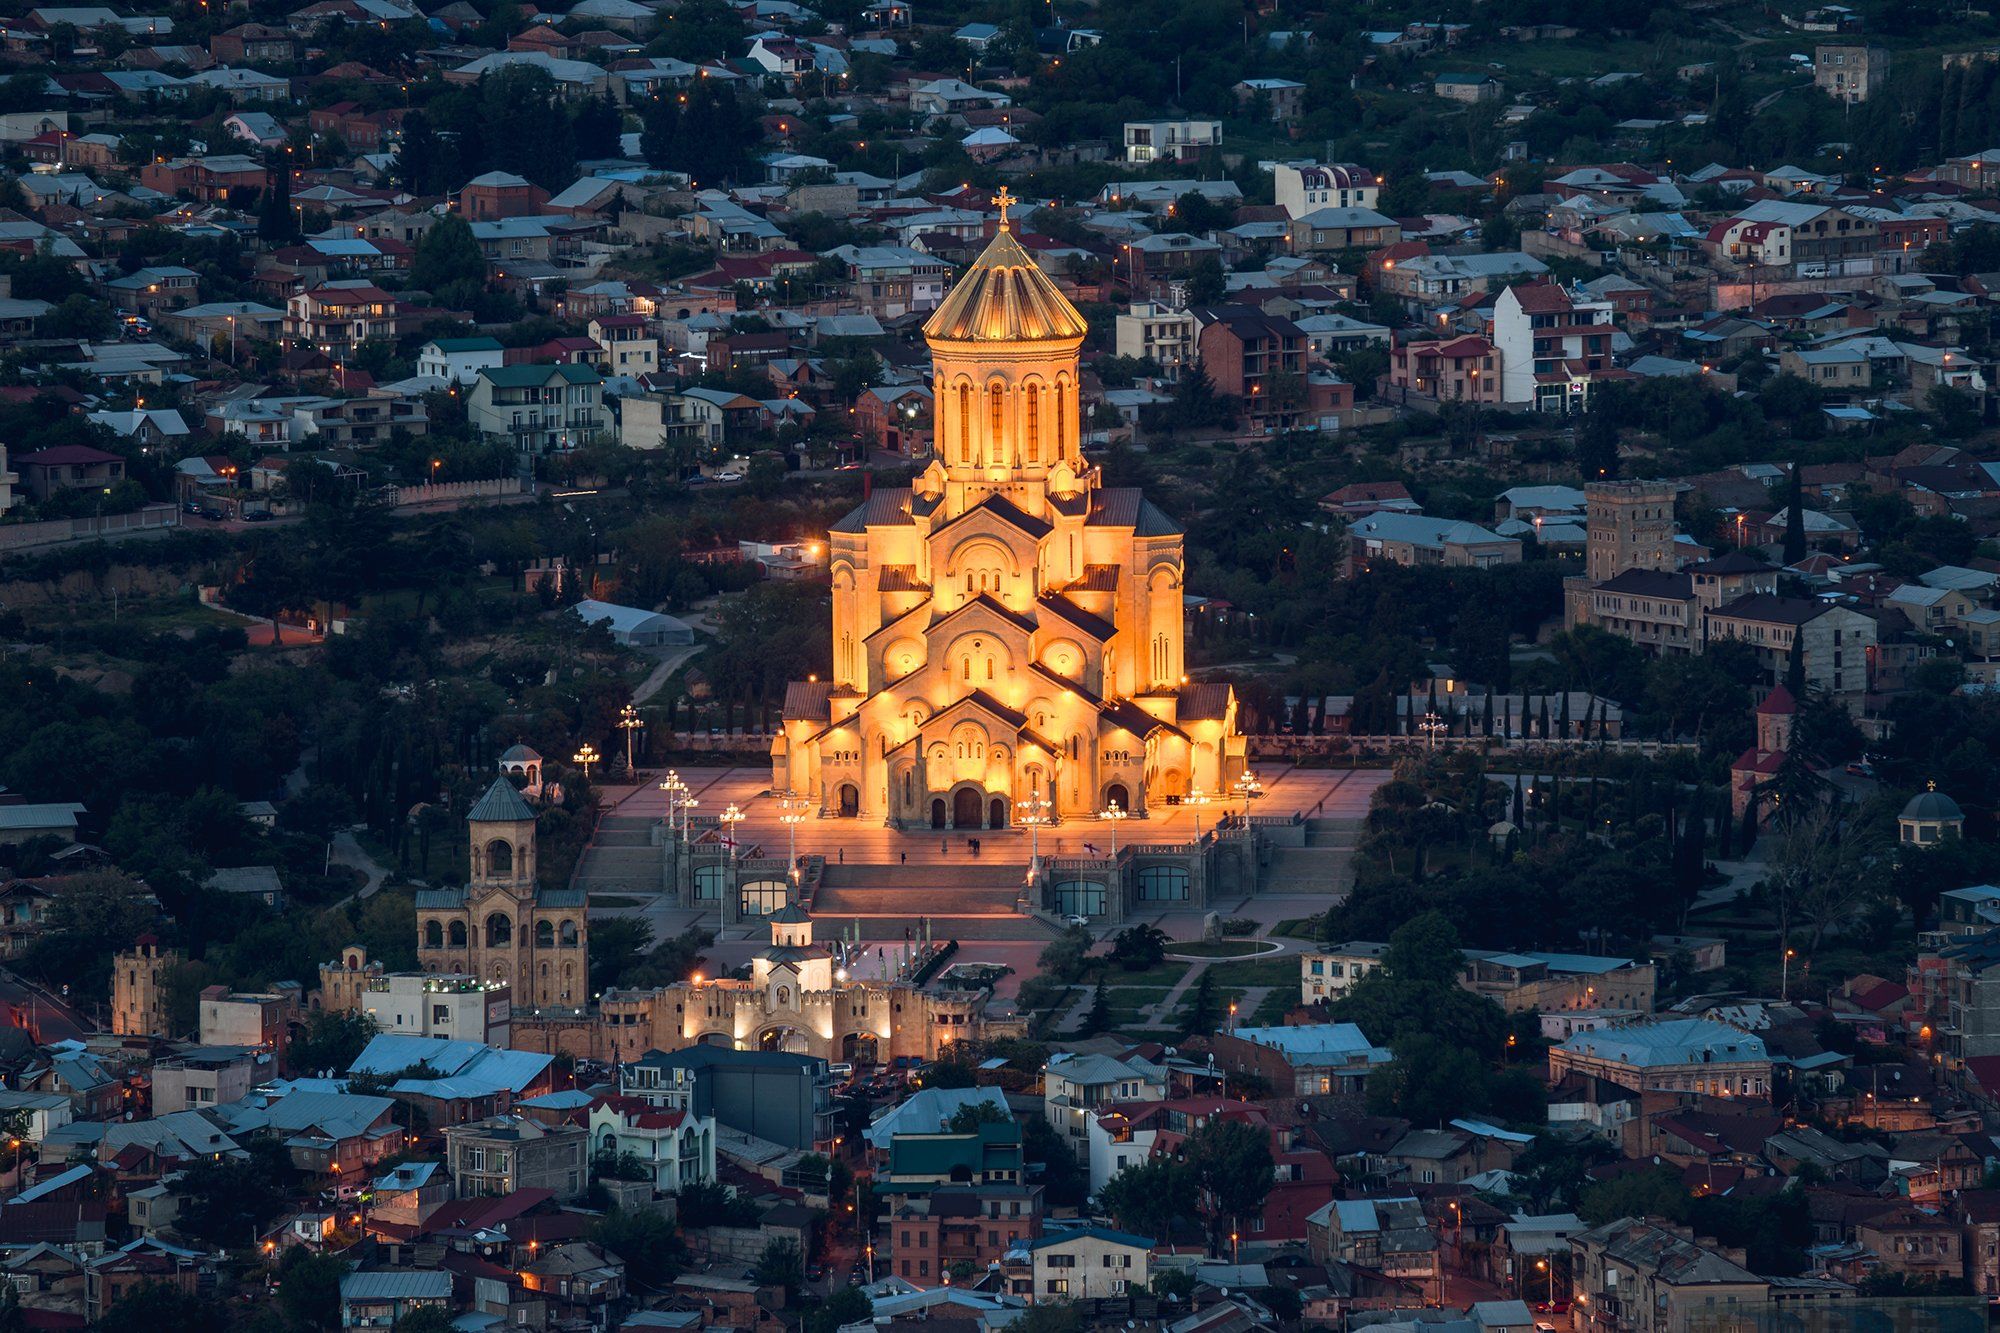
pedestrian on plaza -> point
(944, 846)
(905, 857)
(843, 856)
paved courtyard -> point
(1314, 793)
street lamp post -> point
(1034, 812)
(795, 813)
(1111, 814)
(586, 755)
(631, 724)
(1785, 974)
(1432, 726)
(730, 819)
(672, 786)
(1248, 788)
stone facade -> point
(138, 1006)
(502, 926)
(797, 999)
(1009, 629)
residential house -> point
(1414, 539)
(541, 408)
(1149, 141)
(506, 1153)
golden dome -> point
(1004, 297)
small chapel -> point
(501, 925)
(1008, 632)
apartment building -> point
(1552, 340)
(1302, 187)
(505, 1153)
(540, 408)
(1630, 1276)
(1836, 641)
(1150, 331)
(1849, 71)
(1170, 140)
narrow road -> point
(348, 852)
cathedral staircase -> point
(621, 858)
(964, 900)
(1324, 867)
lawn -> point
(1218, 948)
(1257, 972)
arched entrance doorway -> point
(782, 1039)
(850, 801)
(858, 1048)
(965, 808)
(1116, 795)
(996, 812)
(937, 812)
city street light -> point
(1785, 975)
(1111, 814)
(630, 723)
(730, 819)
(1432, 726)
(1034, 812)
(676, 791)
(1248, 788)
(795, 813)
(586, 755)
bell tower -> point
(1004, 353)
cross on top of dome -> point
(1004, 200)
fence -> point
(492, 488)
(151, 518)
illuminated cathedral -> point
(1008, 633)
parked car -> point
(1861, 768)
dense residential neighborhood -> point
(750, 664)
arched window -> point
(545, 935)
(569, 934)
(499, 930)
(965, 423)
(996, 424)
(433, 935)
(1033, 443)
(458, 934)
(499, 857)
(1062, 415)
(989, 668)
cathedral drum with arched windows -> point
(1009, 630)
(502, 926)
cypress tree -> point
(1486, 717)
(1795, 666)
(1520, 807)
(1795, 518)
(1564, 721)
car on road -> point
(729, 476)
(1861, 768)
(1075, 920)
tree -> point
(1206, 284)
(1048, 1316)
(616, 946)
(844, 1306)
(447, 262)
(226, 1200)
(309, 1288)
(160, 1307)
(1795, 517)
(1231, 1163)
(277, 223)
(781, 1265)
(1823, 872)
(647, 1242)
(1203, 1011)
(1152, 1196)
(330, 1039)
(425, 1319)
(1137, 948)
(1098, 1018)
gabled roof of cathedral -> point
(987, 600)
(1128, 507)
(1007, 512)
(1005, 297)
(500, 805)
(1128, 716)
(807, 701)
(1064, 682)
(981, 699)
(886, 508)
(1058, 605)
(1204, 702)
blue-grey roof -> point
(500, 805)
(1679, 1041)
(401, 1284)
(464, 1068)
(1094, 1233)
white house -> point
(459, 359)
(677, 1147)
